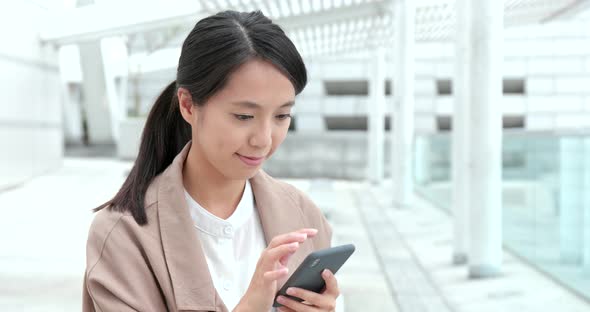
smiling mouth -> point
(251, 157)
(250, 161)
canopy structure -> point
(318, 28)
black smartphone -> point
(309, 274)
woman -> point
(198, 225)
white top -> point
(232, 246)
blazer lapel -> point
(279, 213)
(189, 273)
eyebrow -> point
(254, 105)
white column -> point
(71, 78)
(115, 64)
(422, 160)
(95, 100)
(403, 111)
(485, 141)
(71, 114)
(586, 207)
(571, 189)
(123, 94)
(460, 134)
(376, 112)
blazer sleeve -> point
(118, 276)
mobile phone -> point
(309, 273)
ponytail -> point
(164, 135)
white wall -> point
(31, 133)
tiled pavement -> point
(413, 248)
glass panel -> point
(546, 208)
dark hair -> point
(214, 49)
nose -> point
(262, 136)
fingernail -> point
(290, 291)
(281, 299)
(327, 272)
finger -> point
(285, 259)
(285, 309)
(287, 239)
(277, 253)
(309, 231)
(331, 283)
(295, 305)
(313, 298)
(276, 274)
(297, 236)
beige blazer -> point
(161, 266)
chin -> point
(242, 173)
(247, 176)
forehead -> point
(257, 81)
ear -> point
(186, 105)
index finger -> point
(296, 236)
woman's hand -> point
(313, 302)
(271, 266)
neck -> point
(211, 189)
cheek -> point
(213, 135)
(227, 138)
(277, 138)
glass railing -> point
(545, 198)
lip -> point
(251, 161)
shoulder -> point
(109, 220)
(118, 232)
(106, 227)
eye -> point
(284, 116)
(243, 117)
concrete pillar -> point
(115, 62)
(403, 111)
(460, 134)
(586, 207)
(71, 78)
(422, 160)
(96, 108)
(123, 90)
(571, 189)
(485, 141)
(376, 112)
(71, 115)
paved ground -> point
(401, 262)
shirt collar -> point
(216, 226)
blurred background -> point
(447, 139)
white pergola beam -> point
(103, 20)
(93, 22)
(333, 15)
(97, 21)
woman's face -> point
(248, 118)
